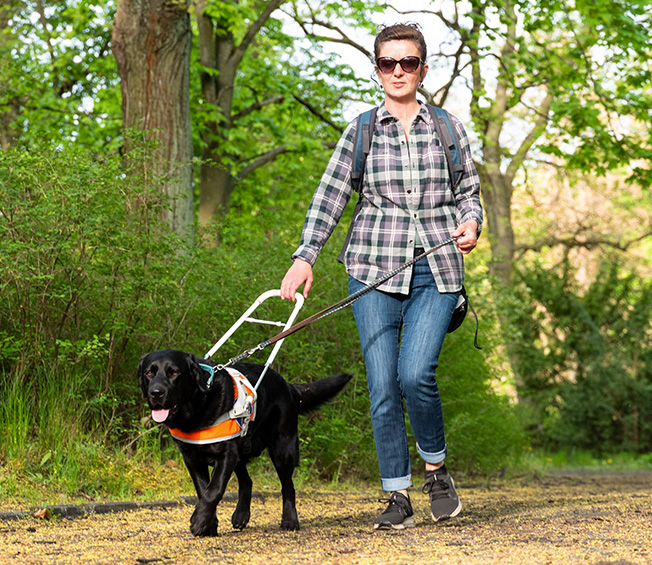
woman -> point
(408, 204)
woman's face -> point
(399, 85)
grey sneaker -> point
(444, 502)
(397, 516)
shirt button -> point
(409, 192)
(415, 215)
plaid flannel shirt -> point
(406, 191)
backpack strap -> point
(365, 127)
(450, 142)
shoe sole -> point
(451, 515)
(407, 523)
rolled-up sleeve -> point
(467, 194)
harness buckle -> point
(246, 418)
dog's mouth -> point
(160, 415)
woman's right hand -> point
(299, 273)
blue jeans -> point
(403, 367)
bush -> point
(91, 279)
(592, 352)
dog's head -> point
(170, 380)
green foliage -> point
(91, 279)
(58, 77)
(588, 362)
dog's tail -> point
(308, 396)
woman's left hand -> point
(468, 232)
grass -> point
(123, 476)
(544, 463)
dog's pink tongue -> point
(160, 415)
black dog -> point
(187, 395)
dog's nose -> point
(156, 393)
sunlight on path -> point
(570, 519)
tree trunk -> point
(216, 51)
(497, 192)
(220, 56)
(151, 43)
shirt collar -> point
(383, 114)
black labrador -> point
(178, 391)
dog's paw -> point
(240, 519)
(290, 525)
(201, 527)
(199, 531)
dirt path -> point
(596, 519)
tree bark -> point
(219, 52)
(151, 43)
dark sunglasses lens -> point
(386, 64)
(410, 64)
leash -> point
(334, 308)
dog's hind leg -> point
(285, 457)
(242, 513)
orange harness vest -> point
(232, 424)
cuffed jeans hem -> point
(433, 458)
(398, 483)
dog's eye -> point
(149, 373)
(175, 373)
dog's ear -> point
(197, 373)
(141, 376)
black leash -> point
(334, 308)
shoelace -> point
(440, 491)
(391, 502)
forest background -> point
(157, 159)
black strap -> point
(477, 326)
(365, 127)
(444, 129)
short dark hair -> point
(401, 32)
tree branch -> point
(573, 242)
(317, 113)
(270, 156)
(257, 106)
(254, 28)
(454, 25)
(543, 114)
(343, 39)
(457, 70)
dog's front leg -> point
(201, 480)
(204, 516)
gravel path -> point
(596, 519)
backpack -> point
(365, 127)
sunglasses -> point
(408, 64)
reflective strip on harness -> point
(232, 424)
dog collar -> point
(211, 370)
(231, 424)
